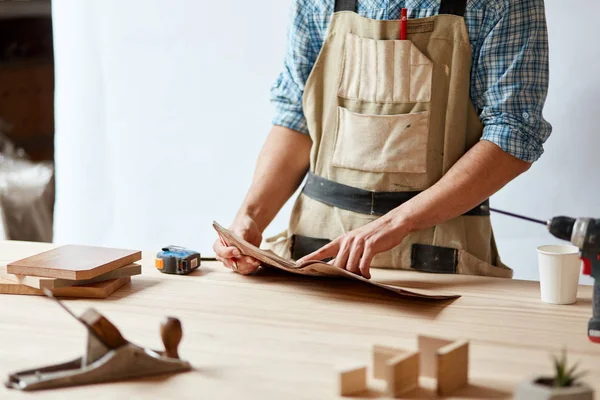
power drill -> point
(585, 234)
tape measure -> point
(177, 260)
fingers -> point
(341, 259)
(327, 251)
(225, 261)
(246, 265)
(365, 262)
(225, 251)
(356, 253)
(228, 254)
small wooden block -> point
(402, 374)
(452, 367)
(55, 283)
(428, 347)
(352, 381)
(381, 355)
(74, 262)
(98, 290)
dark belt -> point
(424, 258)
(364, 201)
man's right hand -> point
(246, 228)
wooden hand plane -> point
(109, 357)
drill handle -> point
(591, 264)
(596, 300)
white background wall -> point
(162, 107)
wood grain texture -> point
(321, 269)
(452, 367)
(74, 262)
(352, 381)
(275, 335)
(402, 374)
(38, 282)
(98, 290)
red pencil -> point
(224, 243)
(403, 24)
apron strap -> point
(454, 7)
(345, 5)
(364, 201)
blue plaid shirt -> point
(509, 75)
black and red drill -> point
(585, 234)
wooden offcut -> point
(402, 374)
(98, 290)
(352, 381)
(381, 355)
(428, 347)
(452, 367)
(445, 360)
(38, 282)
(74, 262)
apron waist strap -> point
(364, 201)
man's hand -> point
(246, 228)
(355, 250)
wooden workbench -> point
(278, 336)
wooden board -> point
(452, 368)
(402, 374)
(317, 268)
(381, 355)
(428, 348)
(38, 282)
(352, 381)
(98, 290)
(74, 262)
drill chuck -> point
(562, 227)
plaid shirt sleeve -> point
(301, 55)
(511, 73)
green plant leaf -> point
(573, 369)
(565, 376)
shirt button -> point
(526, 115)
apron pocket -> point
(382, 143)
(385, 71)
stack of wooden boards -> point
(71, 271)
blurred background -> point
(161, 108)
(26, 120)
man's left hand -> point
(355, 250)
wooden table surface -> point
(278, 336)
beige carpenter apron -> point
(387, 119)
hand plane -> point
(109, 357)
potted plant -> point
(564, 385)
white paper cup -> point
(559, 273)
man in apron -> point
(401, 142)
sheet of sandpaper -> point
(319, 268)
